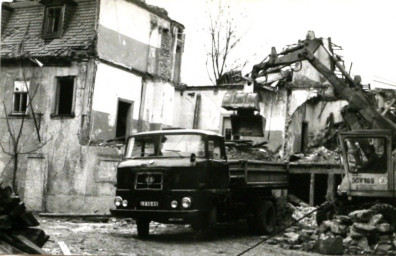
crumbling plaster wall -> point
(319, 111)
(273, 107)
(158, 106)
(69, 169)
(307, 76)
(210, 110)
(111, 85)
(131, 36)
(123, 34)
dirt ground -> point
(119, 237)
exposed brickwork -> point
(25, 23)
(165, 56)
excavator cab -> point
(367, 161)
(247, 121)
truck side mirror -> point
(192, 158)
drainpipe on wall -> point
(142, 104)
(197, 111)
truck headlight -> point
(174, 204)
(124, 203)
(186, 202)
(118, 201)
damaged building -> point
(78, 76)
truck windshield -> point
(366, 155)
(166, 145)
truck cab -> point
(368, 165)
(172, 176)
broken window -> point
(64, 102)
(53, 21)
(20, 97)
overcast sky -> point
(364, 28)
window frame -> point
(50, 34)
(14, 92)
(220, 143)
(55, 112)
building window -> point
(20, 97)
(53, 21)
(64, 102)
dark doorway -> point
(304, 136)
(124, 119)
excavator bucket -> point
(245, 122)
(248, 125)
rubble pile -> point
(318, 155)
(16, 233)
(361, 232)
(246, 150)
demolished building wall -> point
(74, 165)
(202, 103)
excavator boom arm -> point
(355, 96)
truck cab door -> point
(219, 174)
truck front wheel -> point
(263, 219)
(143, 227)
(206, 222)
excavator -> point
(367, 148)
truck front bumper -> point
(163, 216)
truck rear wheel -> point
(143, 227)
(264, 218)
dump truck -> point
(182, 176)
(366, 149)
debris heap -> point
(366, 231)
(17, 235)
(245, 149)
(361, 232)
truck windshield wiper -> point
(175, 151)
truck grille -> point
(149, 181)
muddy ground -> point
(119, 237)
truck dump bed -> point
(255, 173)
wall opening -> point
(64, 95)
(124, 119)
(227, 129)
(304, 136)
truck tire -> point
(264, 218)
(143, 227)
(206, 222)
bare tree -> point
(225, 36)
(16, 145)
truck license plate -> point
(149, 203)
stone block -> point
(363, 227)
(384, 227)
(330, 246)
(376, 219)
(362, 216)
(338, 229)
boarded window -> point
(53, 21)
(20, 97)
(64, 103)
